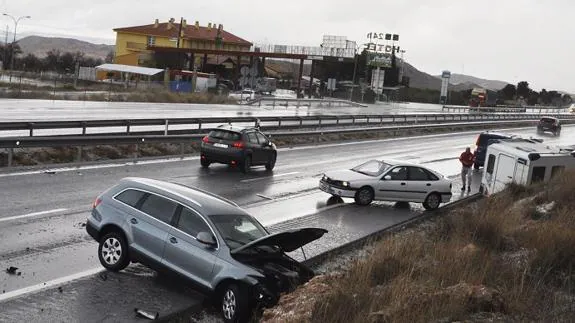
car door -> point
(150, 226)
(254, 146)
(184, 254)
(393, 185)
(266, 148)
(420, 184)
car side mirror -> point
(206, 238)
(387, 177)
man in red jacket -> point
(467, 158)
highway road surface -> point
(42, 214)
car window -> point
(130, 197)
(538, 174)
(262, 138)
(490, 164)
(159, 208)
(398, 173)
(191, 223)
(238, 230)
(418, 174)
(225, 135)
(372, 168)
(557, 170)
(252, 138)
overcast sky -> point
(509, 40)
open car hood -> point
(287, 240)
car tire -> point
(246, 165)
(113, 251)
(432, 201)
(271, 162)
(364, 196)
(205, 163)
(235, 304)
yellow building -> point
(132, 42)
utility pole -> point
(4, 63)
(14, 41)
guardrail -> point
(197, 125)
(273, 101)
(533, 109)
(80, 141)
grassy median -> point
(508, 258)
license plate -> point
(325, 187)
(220, 145)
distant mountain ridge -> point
(40, 46)
(458, 79)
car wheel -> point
(246, 165)
(432, 201)
(113, 251)
(364, 196)
(205, 163)
(271, 163)
(234, 303)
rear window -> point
(547, 120)
(130, 197)
(225, 135)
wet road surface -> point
(42, 216)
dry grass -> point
(492, 260)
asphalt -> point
(42, 212)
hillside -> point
(488, 84)
(39, 46)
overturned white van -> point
(523, 161)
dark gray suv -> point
(199, 236)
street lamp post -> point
(16, 21)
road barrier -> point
(273, 101)
(12, 143)
(502, 109)
(199, 125)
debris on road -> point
(60, 289)
(11, 270)
(148, 315)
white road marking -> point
(267, 177)
(48, 284)
(18, 217)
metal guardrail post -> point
(127, 127)
(182, 150)
(83, 128)
(166, 128)
(31, 126)
(199, 124)
(136, 148)
(79, 154)
(10, 156)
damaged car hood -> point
(346, 175)
(287, 240)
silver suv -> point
(199, 236)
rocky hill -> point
(39, 46)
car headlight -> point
(345, 184)
(324, 178)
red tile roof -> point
(190, 32)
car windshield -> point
(238, 230)
(372, 168)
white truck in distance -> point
(522, 161)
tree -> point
(544, 97)
(567, 99)
(523, 89)
(6, 53)
(110, 57)
(532, 98)
(30, 63)
(52, 59)
(509, 92)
